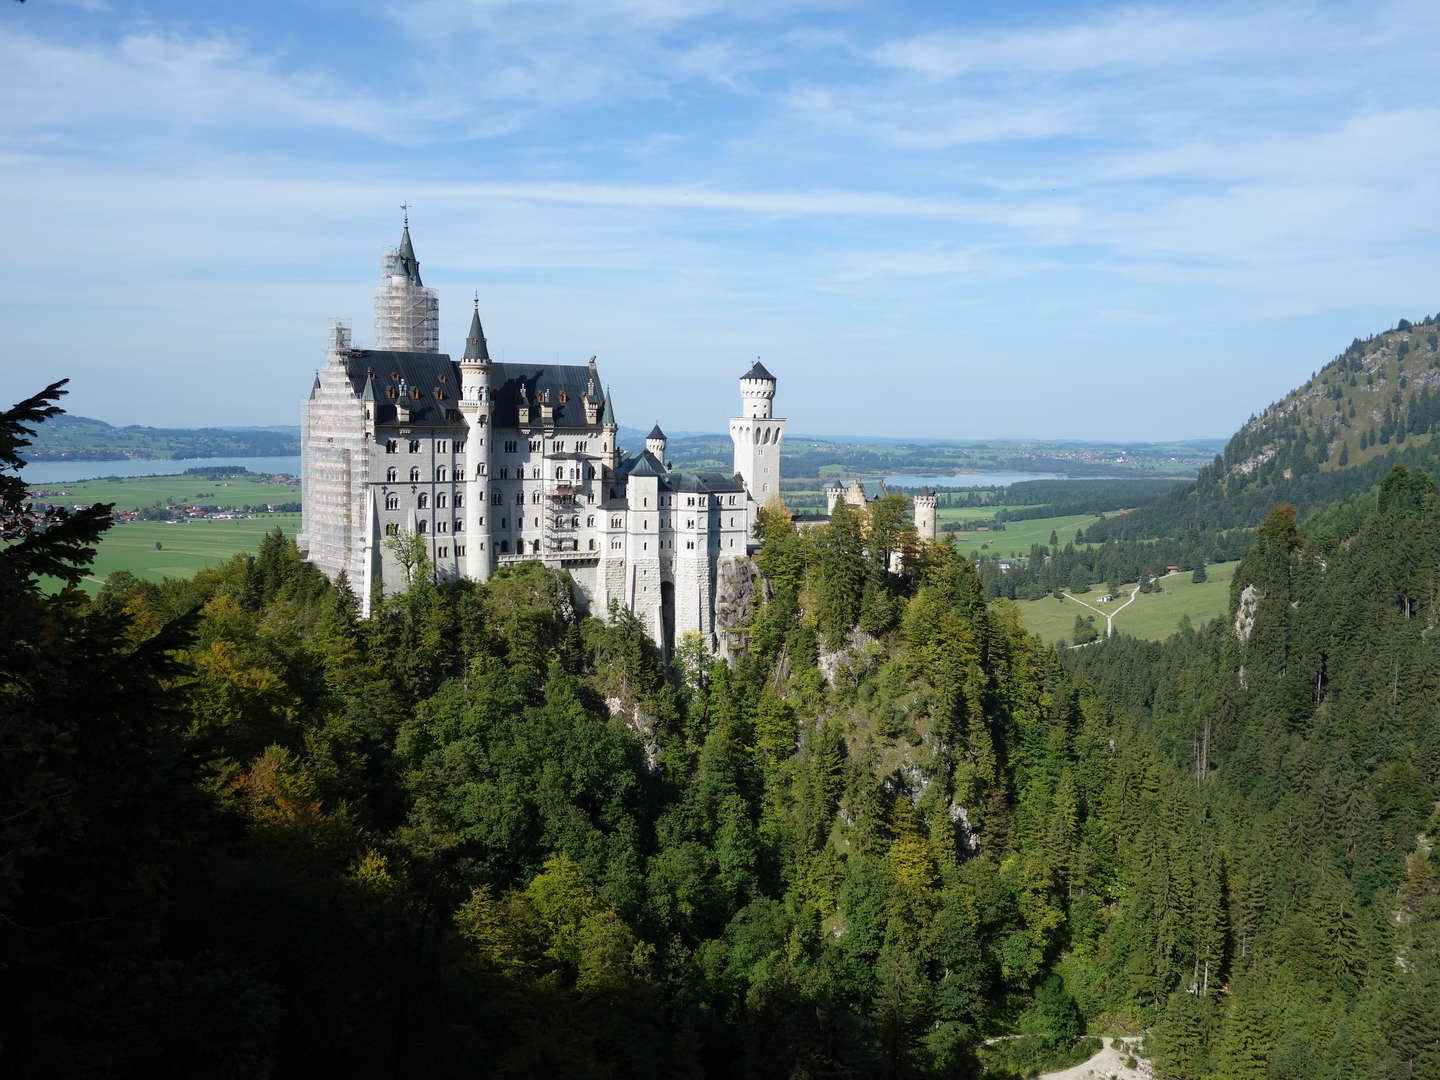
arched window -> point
(534, 547)
(504, 545)
(414, 446)
(423, 501)
(392, 501)
(592, 545)
(519, 498)
(391, 475)
(590, 521)
(442, 474)
(415, 475)
(392, 529)
(442, 499)
(422, 527)
(459, 500)
(560, 472)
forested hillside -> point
(1374, 406)
(246, 833)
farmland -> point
(155, 550)
(1153, 616)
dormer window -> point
(415, 393)
(564, 397)
(390, 393)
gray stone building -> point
(489, 464)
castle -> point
(488, 464)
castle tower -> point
(925, 503)
(655, 443)
(756, 435)
(475, 408)
(407, 314)
(834, 492)
(609, 434)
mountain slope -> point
(80, 438)
(1375, 405)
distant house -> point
(1172, 569)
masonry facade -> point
(487, 464)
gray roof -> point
(645, 464)
(475, 345)
(655, 433)
(405, 257)
(757, 371)
(704, 482)
(607, 415)
(423, 370)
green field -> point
(132, 492)
(1017, 536)
(1154, 616)
(185, 547)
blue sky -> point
(956, 219)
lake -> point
(52, 472)
(971, 479)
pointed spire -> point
(656, 433)
(368, 394)
(475, 345)
(315, 387)
(607, 414)
(405, 261)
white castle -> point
(490, 464)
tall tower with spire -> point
(756, 434)
(407, 314)
(475, 402)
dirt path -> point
(1108, 616)
(1104, 1065)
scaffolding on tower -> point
(407, 314)
(562, 518)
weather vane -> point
(406, 207)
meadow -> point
(133, 492)
(1016, 538)
(1153, 616)
(185, 547)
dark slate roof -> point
(757, 371)
(704, 482)
(423, 370)
(607, 415)
(405, 257)
(874, 489)
(475, 345)
(646, 464)
(571, 380)
(420, 370)
(655, 433)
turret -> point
(925, 504)
(834, 492)
(757, 391)
(609, 432)
(407, 315)
(475, 409)
(655, 443)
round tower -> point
(756, 435)
(475, 408)
(925, 504)
(834, 492)
(655, 443)
(757, 392)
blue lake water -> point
(53, 472)
(970, 479)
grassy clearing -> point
(1153, 616)
(1018, 536)
(132, 492)
(185, 547)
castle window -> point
(392, 446)
(534, 445)
(590, 496)
(504, 545)
(690, 523)
(590, 521)
(482, 521)
(616, 522)
(442, 446)
(442, 553)
(392, 501)
(535, 472)
(415, 393)
(460, 549)
(534, 547)
(560, 473)
(459, 500)
(592, 545)
(415, 475)
(442, 526)
(580, 447)
(479, 470)
(559, 446)
(423, 501)
(535, 498)
(459, 525)
(495, 499)
(422, 527)
(442, 474)
(504, 473)
(459, 446)
(504, 523)
(690, 501)
(520, 498)
(441, 499)
(392, 529)
(690, 544)
(564, 397)
(391, 474)
(510, 446)
(444, 378)
(414, 446)
(390, 393)
(453, 415)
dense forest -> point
(247, 833)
